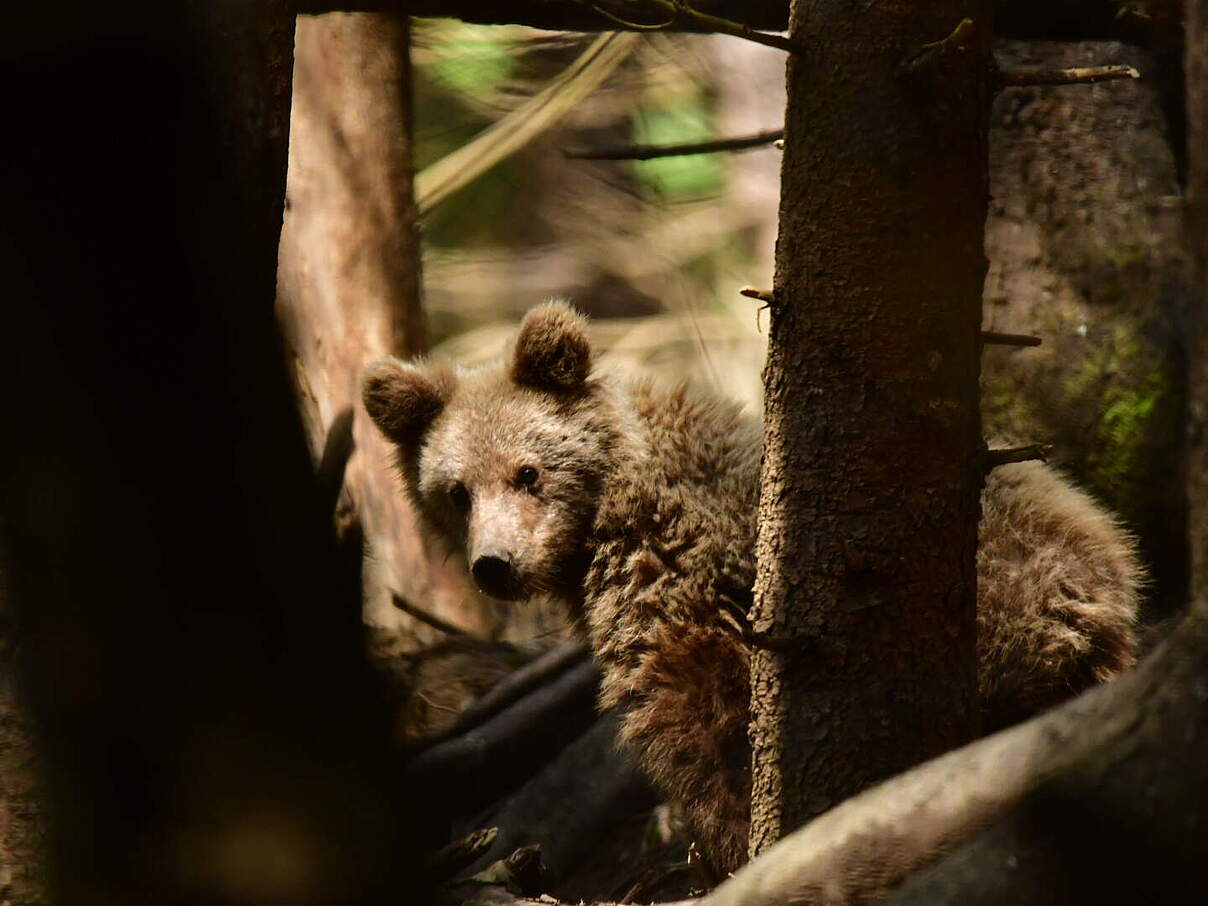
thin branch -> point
(763, 295)
(647, 152)
(632, 26)
(521, 871)
(424, 617)
(929, 55)
(653, 877)
(453, 857)
(679, 12)
(1079, 75)
(994, 338)
(992, 459)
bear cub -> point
(635, 505)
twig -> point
(655, 876)
(763, 295)
(514, 686)
(994, 338)
(633, 26)
(678, 10)
(647, 152)
(424, 617)
(519, 873)
(453, 857)
(929, 55)
(1078, 75)
(992, 459)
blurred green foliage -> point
(475, 59)
(687, 118)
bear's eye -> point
(459, 495)
(526, 477)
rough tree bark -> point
(1197, 238)
(211, 733)
(349, 288)
(869, 499)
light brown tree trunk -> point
(349, 288)
(869, 500)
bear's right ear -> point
(552, 350)
(401, 399)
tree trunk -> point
(1197, 237)
(349, 289)
(871, 473)
(210, 731)
(22, 823)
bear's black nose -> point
(494, 575)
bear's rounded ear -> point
(401, 399)
(552, 350)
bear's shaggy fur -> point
(636, 505)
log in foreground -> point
(1100, 800)
(1128, 760)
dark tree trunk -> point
(189, 645)
(1197, 238)
(869, 501)
(349, 287)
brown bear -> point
(636, 505)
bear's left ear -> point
(552, 350)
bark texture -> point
(22, 818)
(869, 498)
(1085, 243)
(1197, 235)
(349, 287)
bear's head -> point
(506, 461)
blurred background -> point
(1083, 241)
